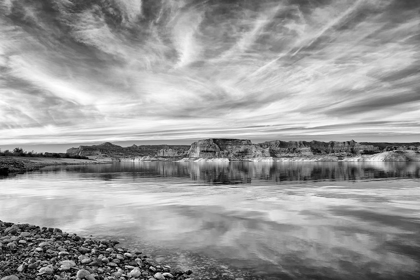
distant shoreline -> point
(18, 165)
(10, 165)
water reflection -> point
(256, 221)
(245, 172)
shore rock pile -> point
(32, 252)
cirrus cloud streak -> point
(74, 71)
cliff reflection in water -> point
(264, 220)
(246, 172)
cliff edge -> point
(245, 150)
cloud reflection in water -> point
(320, 223)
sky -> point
(173, 71)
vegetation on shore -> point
(19, 152)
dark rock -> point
(4, 171)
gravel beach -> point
(31, 252)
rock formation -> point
(233, 149)
(243, 149)
(110, 150)
(303, 148)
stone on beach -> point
(67, 264)
(82, 273)
(48, 253)
(11, 277)
(159, 276)
(135, 272)
(46, 270)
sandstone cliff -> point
(239, 149)
(109, 150)
(243, 149)
(302, 148)
(233, 149)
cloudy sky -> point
(77, 71)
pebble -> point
(32, 265)
(46, 270)
(167, 274)
(21, 267)
(82, 273)
(11, 277)
(119, 273)
(159, 276)
(84, 250)
(135, 272)
(67, 265)
(85, 261)
(48, 253)
(25, 234)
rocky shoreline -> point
(33, 252)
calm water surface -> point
(249, 220)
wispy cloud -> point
(75, 71)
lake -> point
(330, 220)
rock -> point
(11, 245)
(119, 273)
(25, 234)
(135, 272)
(50, 254)
(111, 264)
(109, 150)
(46, 270)
(96, 262)
(33, 265)
(82, 273)
(4, 171)
(85, 261)
(21, 267)
(11, 277)
(159, 276)
(11, 230)
(84, 250)
(67, 264)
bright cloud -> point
(92, 71)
